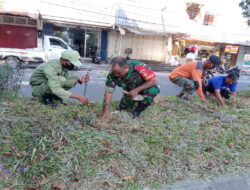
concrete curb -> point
(222, 183)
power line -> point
(94, 8)
(126, 11)
(117, 17)
(128, 19)
(143, 1)
(102, 14)
(135, 13)
(141, 7)
(76, 19)
(179, 28)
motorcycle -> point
(222, 70)
(94, 55)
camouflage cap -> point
(73, 56)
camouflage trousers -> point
(127, 103)
(187, 84)
(39, 91)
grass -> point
(174, 141)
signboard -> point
(231, 49)
(246, 63)
(183, 43)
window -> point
(91, 43)
(208, 20)
(193, 10)
(55, 43)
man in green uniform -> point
(135, 78)
(50, 80)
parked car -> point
(49, 49)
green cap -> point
(73, 56)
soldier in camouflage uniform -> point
(50, 80)
(135, 78)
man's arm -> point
(234, 96)
(145, 85)
(106, 104)
(84, 78)
(196, 75)
(109, 89)
(233, 91)
(219, 97)
(82, 99)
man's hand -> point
(132, 93)
(204, 100)
(205, 81)
(234, 97)
(85, 78)
(104, 114)
(219, 97)
(83, 99)
(106, 104)
(147, 84)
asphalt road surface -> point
(95, 87)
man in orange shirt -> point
(188, 76)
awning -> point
(77, 13)
(139, 31)
(22, 8)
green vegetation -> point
(245, 5)
(69, 147)
(10, 79)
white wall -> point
(151, 48)
(242, 51)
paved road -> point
(155, 66)
(95, 88)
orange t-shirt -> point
(192, 70)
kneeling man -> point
(136, 79)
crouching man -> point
(219, 85)
(188, 76)
(135, 79)
(50, 80)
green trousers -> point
(127, 103)
(187, 84)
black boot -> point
(48, 101)
(137, 112)
(55, 97)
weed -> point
(174, 141)
(10, 79)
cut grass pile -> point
(70, 148)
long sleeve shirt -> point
(54, 75)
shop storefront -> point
(85, 41)
(229, 53)
(202, 52)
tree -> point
(245, 5)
